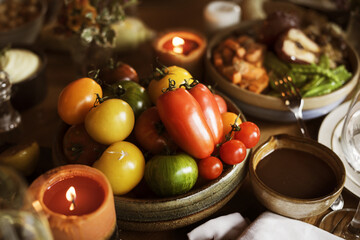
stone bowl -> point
(140, 210)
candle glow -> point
(71, 196)
(178, 45)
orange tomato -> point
(76, 100)
(229, 119)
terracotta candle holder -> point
(183, 48)
(78, 202)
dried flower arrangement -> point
(91, 19)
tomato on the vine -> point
(221, 103)
(233, 152)
(151, 134)
(171, 175)
(184, 120)
(210, 168)
(116, 71)
(76, 99)
(210, 109)
(156, 86)
(249, 134)
(79, 147)
(111, 121)
(131, 92)
(228, 119)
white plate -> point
(329, 135)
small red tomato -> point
(249, 134)
(79, 147)
(233, 152)
(221, 103)
(210, 168)
(118, 71)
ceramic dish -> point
(329, 135)
(292, 196)
(140, 211)
(270, 107)
(32, 90)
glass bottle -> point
(10, 119)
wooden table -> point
(40, 122)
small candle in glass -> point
(182, 48)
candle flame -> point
(71, 196)
(178, 44)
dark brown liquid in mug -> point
(296, 174)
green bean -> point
(322, 89)
(314, 82)
(342, 74)
(313, 69)
(311, 79)
(272, 63)
(298, 79)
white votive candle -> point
(221, 14)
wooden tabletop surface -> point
(40, 122)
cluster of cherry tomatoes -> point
(174, 117)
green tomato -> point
(132, 93)
(171, 175)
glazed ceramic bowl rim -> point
(339, 183)
(273, 103)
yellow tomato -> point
(123, 164)
(228, 120)
(111, 121)
(178, 74)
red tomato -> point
(210, 108)
(76, 100)
(184, 120)
(221, 103)
(210, 168)
(233, 152)
(79, 147)
(151, 134)
(249, 134)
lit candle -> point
(78, 202)
(183, 48)
(221, 14)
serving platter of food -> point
(244, 61)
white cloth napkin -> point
(268, 226)
(224, 227)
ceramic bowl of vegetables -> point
(245, 61)
(168, 165)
